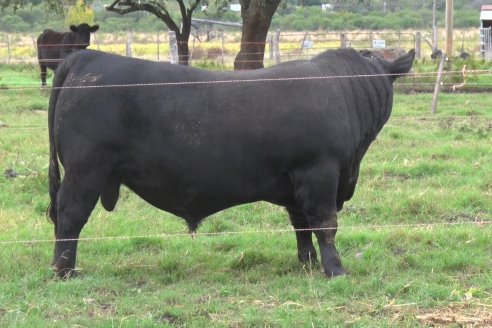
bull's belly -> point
(195, 201)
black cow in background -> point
(194, 142)
(54, 46)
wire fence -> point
(480, 223)
(220, 48)
(10, 85)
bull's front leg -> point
(316, 193)
(325, 231)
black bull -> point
(54, 46)
(193, 142)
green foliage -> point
(312, 18)
(29, 19)
(347, 16)
(79, 13)
(11, 23)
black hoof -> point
(66, 273)
(308, 257)
(335, 272)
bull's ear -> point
(402, 65)
(74, 28)
(94, 28)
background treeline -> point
(292, 15)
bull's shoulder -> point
(68, 38)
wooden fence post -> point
(33, 39)
(418, 44)
(302, 43)
(9, 55)
(190, 52)
(96, 41)
(158, 46)
(129, 44)
(276, 46)
(173, 48)
(437, 87)
(343, 40)
(222, 46)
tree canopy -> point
(160, 9)
(52, 5)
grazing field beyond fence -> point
(416, 238)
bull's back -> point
(194, 111)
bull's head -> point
(83, 34)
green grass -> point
(422, 169)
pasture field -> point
(416, 238)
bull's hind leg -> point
(316, 193)
(305, 248)
(77, 198)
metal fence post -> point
(173, 48)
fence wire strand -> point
(7, 126)
(254, 80)
(428, 226)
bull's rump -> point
(208, 144)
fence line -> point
(4, 125)
(302, 78)
(428, 226)
(279, 43)
(411, 74)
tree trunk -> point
(183, 51)
(257, 16)
(123, 7)
(184, 36)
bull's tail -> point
(54, 167)
(54, 175)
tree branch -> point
(154, 8)
(193, 6)
(182, 8)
